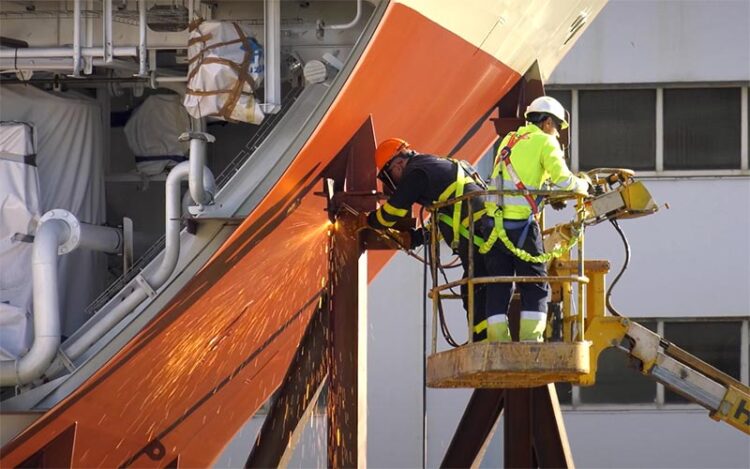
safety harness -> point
(459, 226)
(455, 190)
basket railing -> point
(574, 322)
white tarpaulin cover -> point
(226, 65)
(19, 213)
(69, 145)
(153, 131)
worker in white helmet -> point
(527, 158)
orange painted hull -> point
(188, 382)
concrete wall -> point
(650, 41)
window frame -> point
(660, 172)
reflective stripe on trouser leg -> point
(480, 331)
(533, 324)
(497, 328)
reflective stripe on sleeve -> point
(382, 221)
(395, 211)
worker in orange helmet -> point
(410, 177)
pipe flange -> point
(206, 137)
(74, 239)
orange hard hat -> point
(387, 149)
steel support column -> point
(517, 441)
(296, 398)
(347, 385)
(475, 428)
(550, 438)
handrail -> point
(511, 279)
(557, 194)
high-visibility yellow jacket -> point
(536, 158)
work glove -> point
(418, 237)
(591, 190)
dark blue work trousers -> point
(493, 298)
(499, 261)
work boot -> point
(497, 328)
(533, 324)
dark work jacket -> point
(424, 180)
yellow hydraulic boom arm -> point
(725, 398)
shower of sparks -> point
(239, 312)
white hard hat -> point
(549, 105)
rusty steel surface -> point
(518, 424)
(508, 365)
(475, 428)
(550, 439)
(343, 391)
(345, 408)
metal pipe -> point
(76, 38)
(107, 52)
(142, 52)
(50, 235)
(172, 225)
(77, 348)
(90, 81)
(172, 79)
(101, 238)
(153, 281)
(349, 24)
(201, 180)
(59, 233)
(63, 52)
(272, 77)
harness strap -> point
(505, 158)
(478, 241)
(456, 189)
(460, 182)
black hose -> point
(611, 308)
(441, 315)
(424, 355)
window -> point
(617, 129)
(665, 130)
(702, 128)
(566, 99)
(564, 96)
(716, 342)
